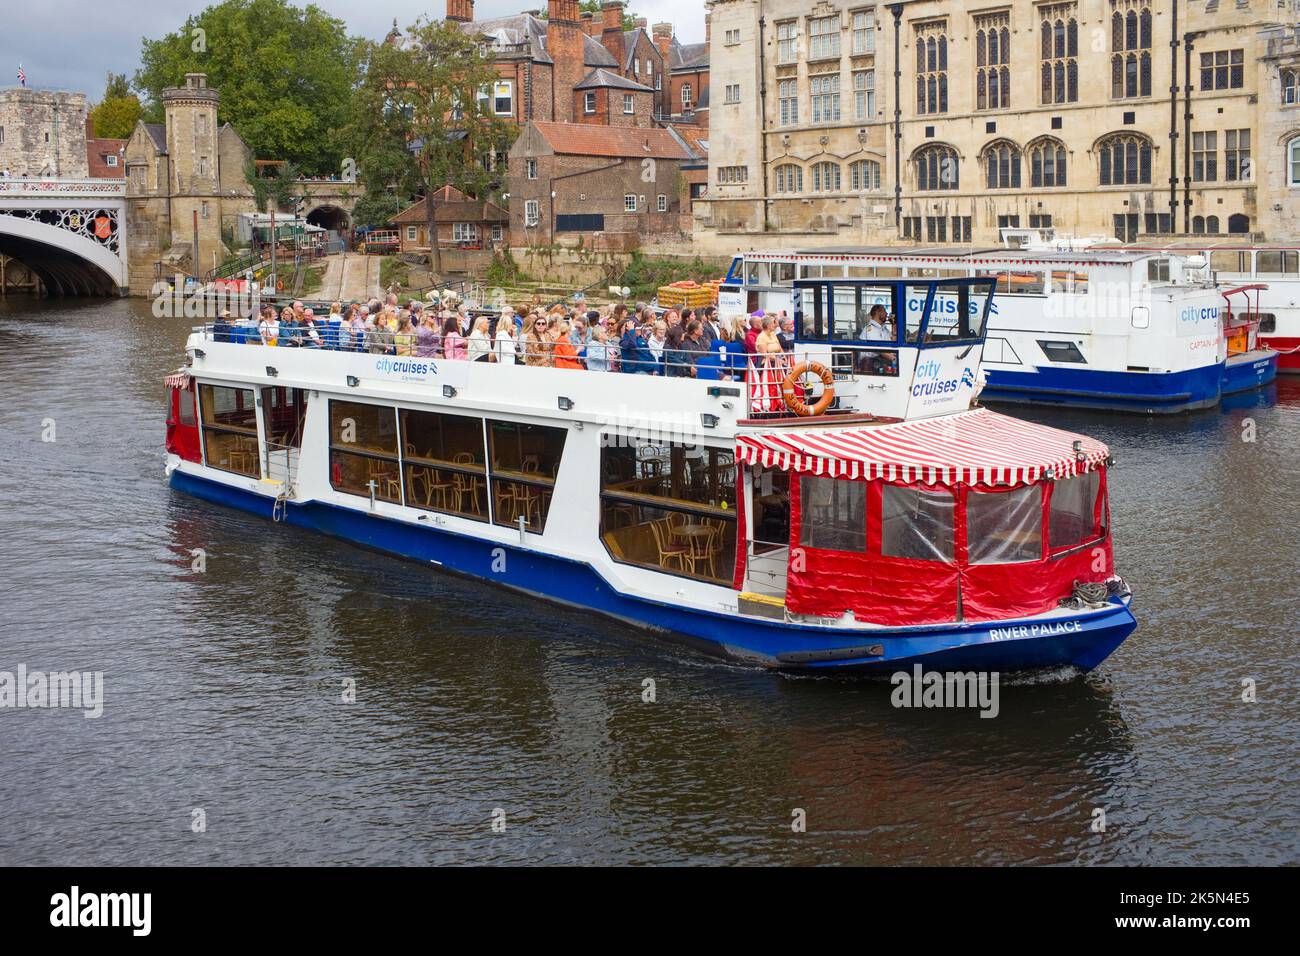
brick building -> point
(461, 223)
(606, 188)
(105, 158)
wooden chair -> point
(668, 551)
(463, 485)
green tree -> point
(115, 116)
(593, 7)
(424, 118)
(286, 75)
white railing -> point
(10, 186)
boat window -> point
(1004, 527)
(832, 513)
(186, 410)
(782, 273)
(669, 506)
(1267, 325)
(1057, 351)
(444, 463)
(1075, 283)
(1070, 519)
(757, 274)
(230, 430)
(957, 314)
(1157, 270)
(284, 411)
(1141, 317)
(363, 450)
(1276, 262)
(915, 297)
(525, 462)
(1228, 261)
(854, 305)
(1018, 282)
(917, 524)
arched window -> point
(1238, 224)
(1002, 166)
(864, 175)
(826, 177)
(1198, 225)
(1125, 159)
(1212, 225)
(1290, 87)
(789, 178)
(1293, 162)
(686, 96)
(1046, 164)
(936, 168)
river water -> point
(223, 689)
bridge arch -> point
(330, 217)
(68, 264)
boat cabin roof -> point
(973, 447)
(1103, 255)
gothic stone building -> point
(184, 179)
(43, 133)
(1132, 118)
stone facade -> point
(43, 133)
(185, 186)
(814, 144)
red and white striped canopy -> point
(975, 447)
(180, 379)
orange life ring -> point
(790, 389)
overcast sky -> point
(72, 44)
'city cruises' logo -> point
(409, 369)
(1204, 314)
(929, 384)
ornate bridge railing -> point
(50, 188)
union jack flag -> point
(22, 75)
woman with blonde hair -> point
(404, 337)
(566, 356)
(479, 345)
(505, 347)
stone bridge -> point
(70, 232)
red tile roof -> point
(577, 139)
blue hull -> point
(1144, 392)
(1082, 641)
(1242, 373)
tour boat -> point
(1104, 328)
(1274, 270)
(846, 508)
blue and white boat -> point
(1116, 329)
(902, 525)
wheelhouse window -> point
(230, 429)
(525, 463)
(833, 514)
(669, 506)
(1004, 527)
(917, 524)
(444, 463)
(1071, 518)
(363, 450)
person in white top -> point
(268, 328)
(505, 346)
(478, 345)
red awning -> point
(975, 447)
(179, 379)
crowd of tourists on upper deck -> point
(694, 343)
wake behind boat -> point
(897, 525)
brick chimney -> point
(565, 40)
(589, 25)
(663, 39)
(611, 31)
(460, 10)
(641, 22)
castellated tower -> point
(192, 134)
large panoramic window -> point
(917, 524)
(1004, 527)
(1070, 519)
(230, 429)
(444, 463)
(525, 463)
(363, 450)
(833, 513)
(669, 506)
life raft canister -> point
(791, 386)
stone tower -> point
(194, 168)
